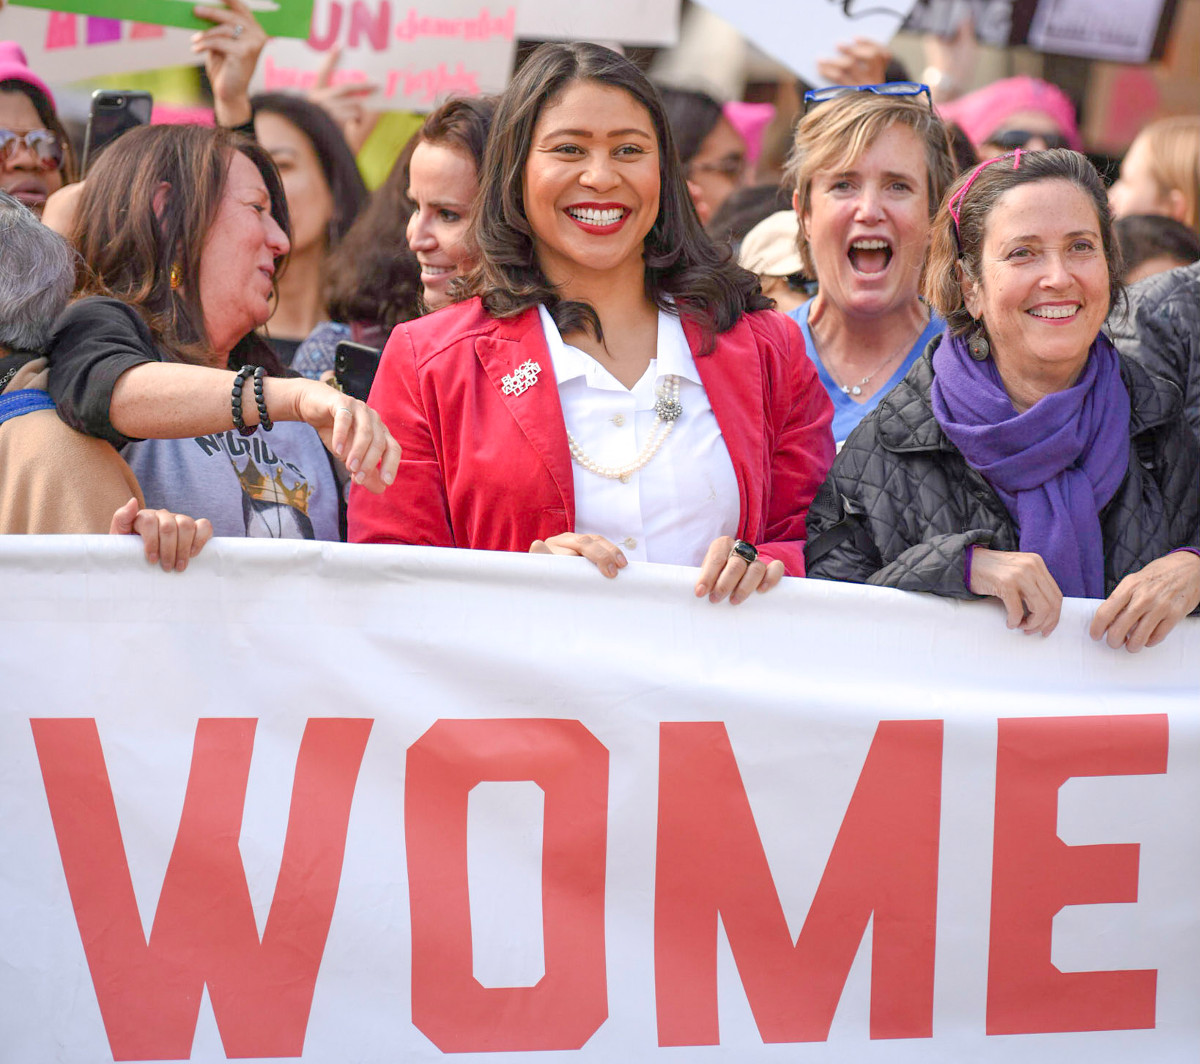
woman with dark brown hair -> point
(615, 388)
(181, 231)
(398, 259)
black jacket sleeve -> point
(95, 341)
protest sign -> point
(280, 18)
(635, 22)
(1133, 31)
(63, 46)
(415, 55)
(341, 803)
(800, 34)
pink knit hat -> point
(14, 68)
(982, 112)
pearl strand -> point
(667, 411)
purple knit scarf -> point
(1055, 466)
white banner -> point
(354, 803)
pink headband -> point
(955, 204)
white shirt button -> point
(618, 420)
(630, 543)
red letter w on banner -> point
(204, 929)
(711, 863)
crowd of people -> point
(914, 362)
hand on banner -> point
(1023, 583)
(724, 572)
(345, 103)
(350, 429)
(1147, 604)
(863, 62)
(170, 539)
(231, 50)
(605, 556)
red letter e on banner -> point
(1035, 874)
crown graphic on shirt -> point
(274, 490)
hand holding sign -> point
(346, 101)
(231, 50)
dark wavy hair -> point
(346, 188)
(956, 249)
(682, 263)
(129, 236)
(373, 276)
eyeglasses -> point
(44, 144)
(888, 88)
(732, 167)
(1012, 139)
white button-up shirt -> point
(686, 495)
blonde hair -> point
(1173, 147)
(833, 135)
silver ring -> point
(343, 410)
(238, 29)
(748, 552)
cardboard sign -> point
(280, 18)
(633, 22)
(417, 56)
(357, 803)
(800, 34)
(63, 46)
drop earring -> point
(176, 275)
(977, 345)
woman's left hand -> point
(1147, 604)
(724, 573)
(231, 49)
(172, 540)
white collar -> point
(673, 356)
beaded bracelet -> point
(264, 419)
(243, 375)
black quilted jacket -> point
(1162, 331)
(900, 504)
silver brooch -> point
(668, 407)
(525, 377)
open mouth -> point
(870, 255)
(599, 219)
(1060, 312)
(436, 272)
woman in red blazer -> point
(613, 387)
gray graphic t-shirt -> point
(276, 484)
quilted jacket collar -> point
(906, 421)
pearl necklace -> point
(667, 410)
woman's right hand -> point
(1022, 582)
(605, 556)
(350, 429)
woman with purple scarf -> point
(1022, 457)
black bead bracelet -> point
(243, 374)
(264, 419)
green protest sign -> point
(280, 18)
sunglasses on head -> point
(889, 88)
(44, 144)
(1012, 139)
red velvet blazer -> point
(491, 471)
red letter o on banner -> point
(570, 1002)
